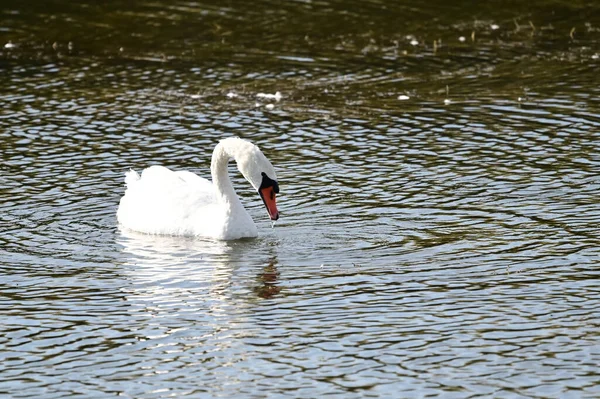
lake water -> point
(439, 166)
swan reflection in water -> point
(192, 269)
(195, 300)
(268, 280)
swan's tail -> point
(131, 177)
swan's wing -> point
(194, 180)
(131, 177)
(161, 201)
(158, 177)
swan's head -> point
(259, 171)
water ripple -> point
(443, 244)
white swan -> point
(182, 203)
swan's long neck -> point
(225, 150)
(220, 176)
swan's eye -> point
(268, 182)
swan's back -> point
(161, 201)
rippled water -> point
(439, 168)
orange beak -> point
(268, 196)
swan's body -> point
(161, 201)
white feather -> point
(161, 201)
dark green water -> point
(439, 166)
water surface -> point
(439, 169)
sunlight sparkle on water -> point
(268, 96)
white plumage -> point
(161, 201)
